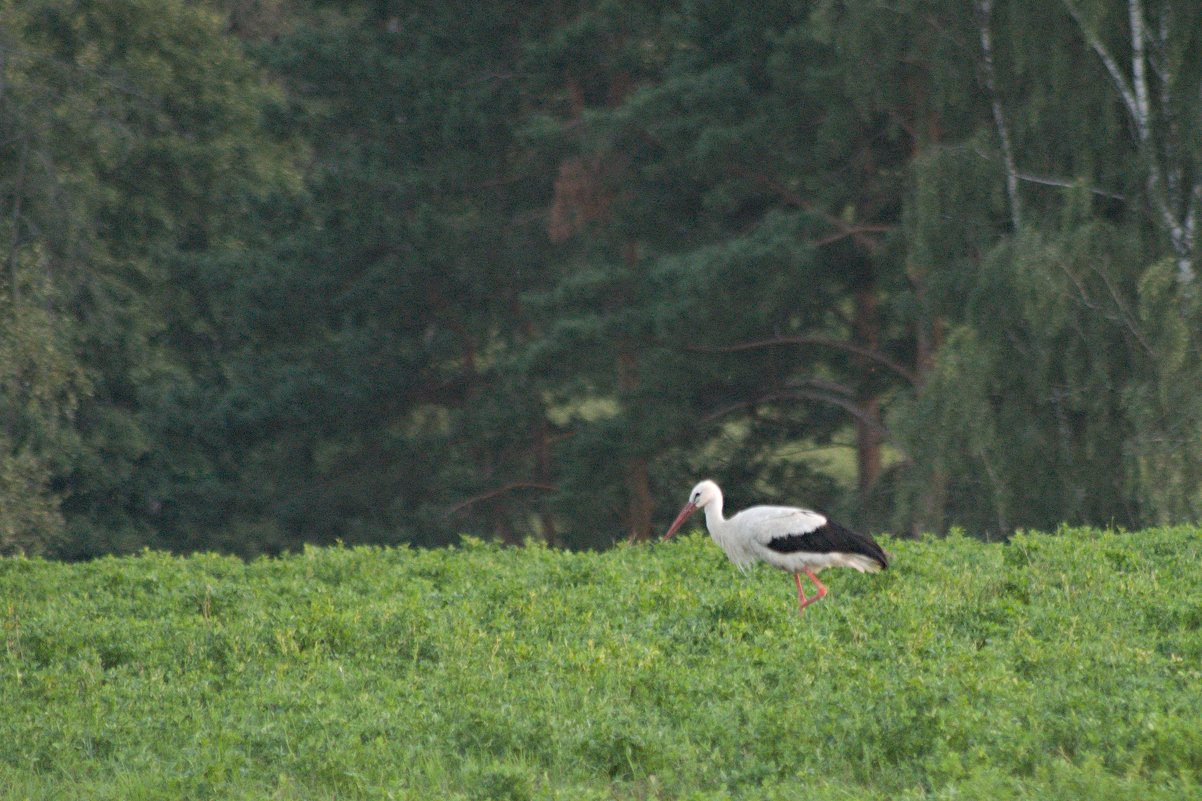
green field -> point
(1055, 666)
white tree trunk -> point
(984, 9)
(1174, 203)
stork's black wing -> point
(830, 538)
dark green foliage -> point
(287, 272)
(131, 144)
(370, 392)
(1052, 666)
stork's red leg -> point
(802, 601)
(821, 587)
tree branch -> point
(1116, 75)
(823, 342)
(499, 491)
(1047, 180)
(853, 231)
(847, 404)
(791, 197)
(1124, 313)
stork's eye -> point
(696, 495)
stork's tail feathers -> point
(861, 552)
(877, 560)
(867, 564)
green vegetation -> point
(288, 272)
(1053, 666)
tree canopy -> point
(289, 272)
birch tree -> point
(1152, 66)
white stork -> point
(795, 540)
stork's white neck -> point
(714, 521)
(726, 535)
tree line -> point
(299, 271)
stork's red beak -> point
(688, 509)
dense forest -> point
(286, 271)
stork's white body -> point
(792, 539)
(745, 538)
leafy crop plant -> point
(1060, 665)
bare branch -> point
(1116, 75)
(859, 233)
(845, 403)
(826, 385)
(823, 342)
(1052, 180)
(853, 231)
(1125, 314)
(1048, 180)
(502, 490)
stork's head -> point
(705, 492)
